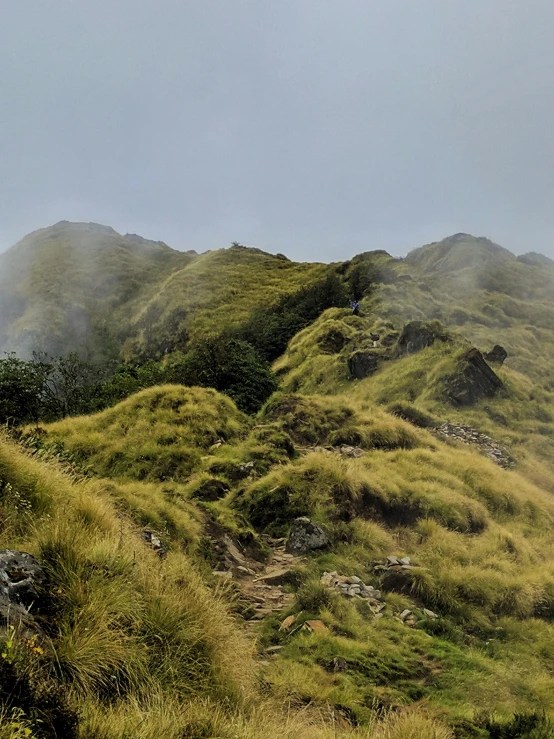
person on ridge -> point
(355, 307)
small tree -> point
(21, 389)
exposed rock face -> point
(363, 363)
(497, 355)
(473, 380)
(305, 536)
(416, 336)
(20, 576)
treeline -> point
(236, 363)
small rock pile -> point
(394, 563)
(410, 619)
(354, 587)
(489, 447)
(345, 450)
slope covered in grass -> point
(62, 286)
(157, 434)
(145, 646)
(479, 538)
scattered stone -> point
(287, 623)
(232, 550)
(223, 574)
(20, 576)
(395, 573)
(352, 587)
(404, 615)
(430, 614)
(305, 536)
(351, 451)
(156, 544)
(488, 447)
(339, 664)
(244, 571)
(276, 576)
(316, 625)
(472, 380)
(274, 650)
(497, 355)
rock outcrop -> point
(363, 363)
(305, 536)
(418, 335)
(472, 380)
(497, 355)
(20, 577)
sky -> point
(317, 128)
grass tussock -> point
(158, 434)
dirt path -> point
(264, 589)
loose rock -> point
(20, 576)
(305, 536)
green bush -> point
(230, 366)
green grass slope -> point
(62, 287)
(183, 462)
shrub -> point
(229, 365)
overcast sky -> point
(319, 128)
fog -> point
(311, 127)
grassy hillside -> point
(60, 286)
(84, 287)
(170, 607)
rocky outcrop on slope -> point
(418, 335)
(20, 577)
(472, 380)
(497, 355)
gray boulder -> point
(305, 536)
(418, 335)
(20, 578)
(473, 380)
(497, 355)
(363, 363)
